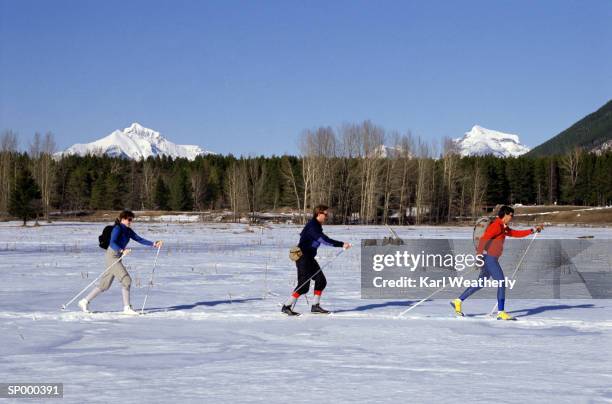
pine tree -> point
(99, 195)
(25, 202)
(78, 188)
(115, 191)
(180, 191)
(161, 196)
(497, 183)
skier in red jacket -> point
(491, 246)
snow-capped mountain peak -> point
(136, 142)
(482, 141)
(139, 130)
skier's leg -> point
(457, 303)
(498, 274)
(92, 295)
(84, 303)
(125, 292)
(119, 271)
(302, 287)
(110, 258)
(291, 300)
(304, 270)
(126, 281)
(104, 283)
(320, 282)
(484, 274)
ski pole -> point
(517, 267)
(320, 269)
(151, 281)
(428, 297)
(91, 283)
(420, 302)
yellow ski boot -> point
(457, 306)
(502, 315)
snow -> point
(135, 142)
(172, 218)
(213, 331)
(384, 151)
(481, 141)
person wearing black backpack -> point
(115, 239)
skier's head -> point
(320, 213)
(506, 213)
(125, 217)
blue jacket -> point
(121, 236)
(312, 237)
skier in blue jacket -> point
(120, 237)
(308, 268)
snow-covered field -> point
(213, 331)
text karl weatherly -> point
(449, 281)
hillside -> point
(589, 133)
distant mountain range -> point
(135, 142)
(481, 141)
(592, 133)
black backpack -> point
(104, 238)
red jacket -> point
(492, 241)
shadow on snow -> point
(542, 309)
(197, 304)
(366, 307)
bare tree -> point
(148, 183)
(451, 162)
(571, 163)
(478, 186)
(424, 180)
(407, 166)
(392, 160)
(198, 183)
(291, 180)
(236, 189)
(34, 154)
(256, 180)
(324, 152)
(347, 172)
(47, 172)
(371, 141)
(309, 167)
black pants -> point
(306, 268)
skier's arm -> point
(519, 233)
(323, 239)
(139, 239)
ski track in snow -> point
(213, 331)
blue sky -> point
(248, 76)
